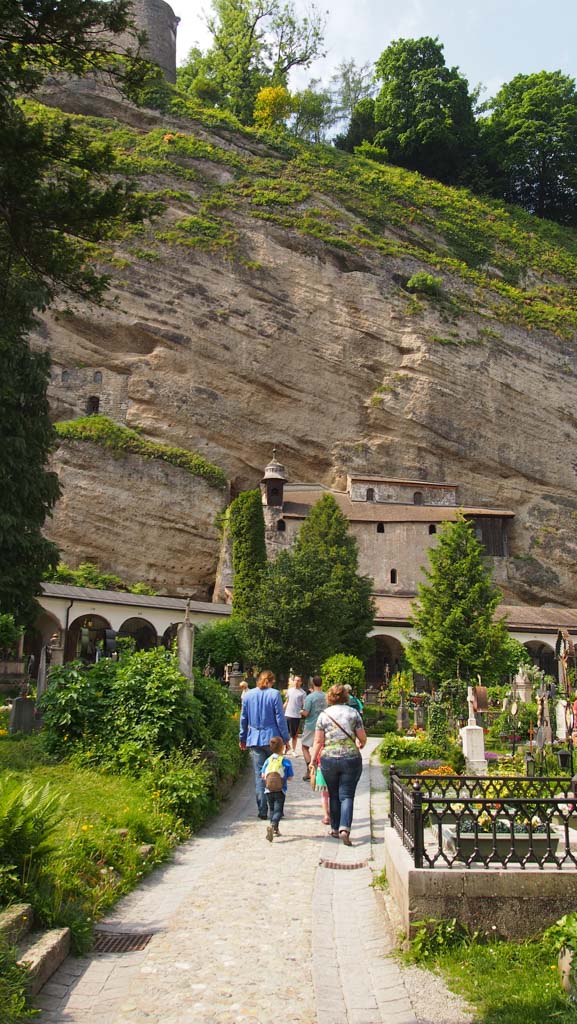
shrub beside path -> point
(247, 932)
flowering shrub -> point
(441, 769)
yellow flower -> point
(84, 828)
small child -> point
(276, 771)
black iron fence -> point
(465, 821)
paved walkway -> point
(247, 932)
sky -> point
(490, 40)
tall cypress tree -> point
(246, 524)
(457, 635)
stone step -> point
(42, 953)
(15, 922)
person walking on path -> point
(293, 705)
(276, 771)
(261, 718)
(339, 739)
(315, 702)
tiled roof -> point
(397, 610)
(299, 504)
(134, 600)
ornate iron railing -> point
(465, 821)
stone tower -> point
(158, 20)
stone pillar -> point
(473, 742)
(185, 645)
(560, 719)
(22, 715)
(234, 678)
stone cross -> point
(185, 645)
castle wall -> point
(397, 492)
(73, 389)
(158, 20)
(402, 547)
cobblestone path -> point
(249, 932)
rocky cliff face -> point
(143, 520)
(237, 323)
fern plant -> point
(29, 816)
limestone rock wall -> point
(317, 352)
(145, 520)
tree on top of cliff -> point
(255, 44)
(246, 524)
(457, 635)
(312, 603)
(424, 111)
(530, 140)
(51, 210)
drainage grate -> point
(337, 865)
(120, 942)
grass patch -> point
(507, 982)
(102, 430)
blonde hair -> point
(265, 679)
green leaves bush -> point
(343, 669)
(89, 575)
(142, 699)
(102, 430)
(9, 635)
(400, 748)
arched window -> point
(92, 405)
(418, 498)
(432, 528)
(274, 492)
(281, 526)
(393, 575)
(97, 377)
(380, 527)
(65, 376)
(370, 496)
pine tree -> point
(456, 634)
(312, 603)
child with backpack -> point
(276, 771)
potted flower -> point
(489, 836)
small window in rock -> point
(92, 405)
(281, 526)
(98, 377)
(65, 376)
(418, 498)
(432, 528)
(393, 575)
(380, 527)
(370, 494)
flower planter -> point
(499, 847)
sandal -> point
(345, 837)
(334, 834)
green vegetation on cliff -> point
(492, 259)
(102, 430)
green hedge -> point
(104, 431)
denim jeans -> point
(341, 776)
(258, 757)
(275, 806)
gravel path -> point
(246, 931)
